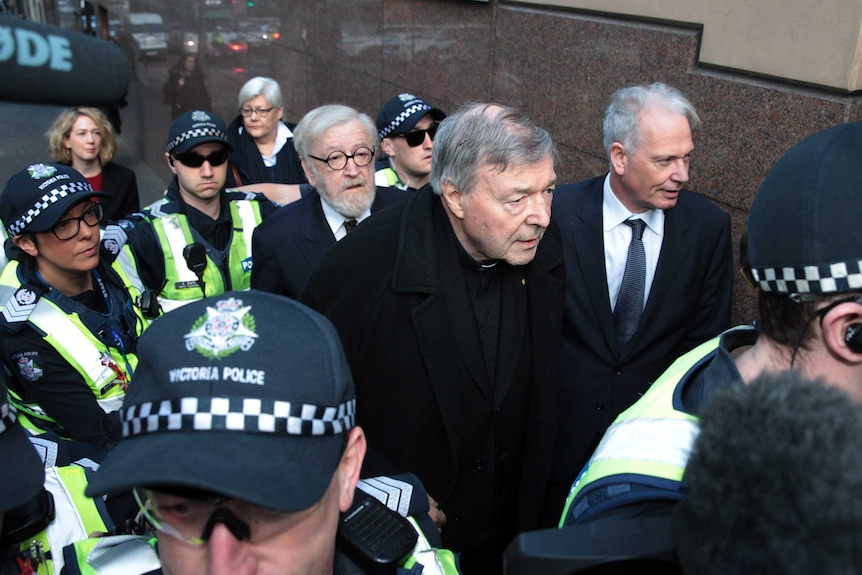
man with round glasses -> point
(196, 241)
(406, 126)
(68, 329)
(336, 146)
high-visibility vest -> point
(115, 555)
(76, 517)
(106, 370)
(388, 178)
(174, 234)
(643, 453)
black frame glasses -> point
(361, 156)
(69, 228)
(261, 112)
(417, 137)
(195, 160)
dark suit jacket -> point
(395, 290)
(246, 159)
(122, 184)
(289, 244)
(689, 303)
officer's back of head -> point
(805, 243)
(239, 435)
(773, 482)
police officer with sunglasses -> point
(68, 327)
(196, 241)
(406, 126)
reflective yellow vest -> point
(106, 370)
(76, 517)
(388, 178)
(174, 234)
(115, 555)
(643, 454)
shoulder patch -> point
(27, 364)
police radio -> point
(148, 303)
(196, 259)
(376, 538)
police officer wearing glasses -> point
(336, 146)
(406, 126)
(244, 453)
(68, 328)
(196, 241)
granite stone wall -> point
(557, 66)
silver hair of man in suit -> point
(622, 117)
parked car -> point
(260, 33)
(148, 34)
(222, 41)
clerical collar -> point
(468, 262)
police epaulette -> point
(18, 304)
(114, 237)
(238, 195)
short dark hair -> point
(774, 481)
(785, 321)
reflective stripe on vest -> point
(76, 515)
(249, 220)
(388, 178)
(115, 555)
(650, 439)
(178, 237)
(77, 346)
(433, 561)
(124, 263)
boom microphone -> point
(42, 64)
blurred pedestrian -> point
(186, 87)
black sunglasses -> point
(417, 137)
(195, 160)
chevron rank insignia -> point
(20, 305)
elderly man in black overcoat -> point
(449, 308)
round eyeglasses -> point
(361, 156)
(69, 228)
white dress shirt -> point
(336, 220)
(618, 236)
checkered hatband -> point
(44, 202)
(239, 414)
(830, 278)
(402, 117)
(8, 416)
(196, 133)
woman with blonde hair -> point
(84, 139)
